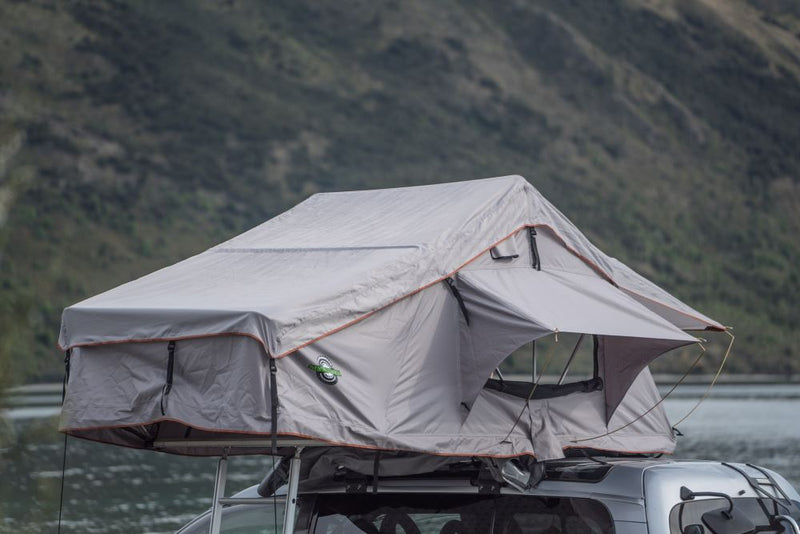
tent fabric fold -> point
(385, 312)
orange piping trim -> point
(162, 339)
(590, 263)
(605, 275)
(586, 260)
(709, 326)
(71, 432)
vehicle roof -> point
(615, 478)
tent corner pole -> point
(569, 361)
(291, 492)
(219, 493)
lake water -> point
(111, 489)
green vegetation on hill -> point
(134, 134)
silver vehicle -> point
(582, 496)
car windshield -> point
(242, 519)
(433, 513)
(458, 514)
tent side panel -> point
(622, 360)
(547, 427)
(219, 383)
(396, 374)
(391, 382)
(651, 433)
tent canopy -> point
(337, 257)
(412, 296)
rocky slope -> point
(133, 134)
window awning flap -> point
(525, 304)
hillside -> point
(133, 134)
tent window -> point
(569, 366)
(519, 364)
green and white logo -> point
(325, 371)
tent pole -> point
(291, 492)
(499, 375)
(219, 493)
(569, 362)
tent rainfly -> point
(374, 319)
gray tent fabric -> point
(524, 304)
(114, 397)
(384, 313)
(374, 247)
(622, 359)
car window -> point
(458, 514)
(532, 515)
(242, 519)
(398, 514)
(390, 521)
(420, 514)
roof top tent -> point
(373, 319)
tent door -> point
(569, 361)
